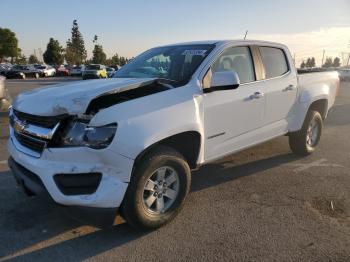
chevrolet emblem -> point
(19, 126)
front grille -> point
(32, 143)
(43, 121)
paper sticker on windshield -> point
(194, 52)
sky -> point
(132, 26)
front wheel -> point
(305, 140)
(157, 190)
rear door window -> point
(274, 61)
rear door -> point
(279, 83)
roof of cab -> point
(225, 42)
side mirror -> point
(224, 80)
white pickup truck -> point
(129, 143)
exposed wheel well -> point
(187, 144)
(320, 106)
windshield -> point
(176, 63)
(93, 67)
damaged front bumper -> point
(80, 186)
(32, 185)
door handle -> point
(257, 95)
(289, 88)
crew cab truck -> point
(129, 143)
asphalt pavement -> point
(262, 204)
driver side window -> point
(237, 59)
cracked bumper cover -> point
(115, 169)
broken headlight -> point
(81, 134)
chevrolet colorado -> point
(129, 143)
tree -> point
(302, 65)
(54, 53)
(308, 63)
(328, 62)
(8, 44)
(336, 62)
(312, 62)
(75, 50)
(33, 59)
(21, 60)
(98, 56)
(123, 60)
(115, 59)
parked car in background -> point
(4, 68)
(63, 70)
(116, 67)
(5, 99)
(23, 71)
(77, 70)
(129, 143)
(110, 71)
(95, 71)
(344, 74)
(45, 70)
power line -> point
(245, 36)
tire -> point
(163, 160)
(304, 141)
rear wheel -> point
(157, 189)
(305, 140)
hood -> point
(72, 98)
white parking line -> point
(3, 162)
(318, 163)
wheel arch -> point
(186, 143)
(321, 106)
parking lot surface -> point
(262, 204)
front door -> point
(230, 115)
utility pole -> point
(294, 58)
(40, 54)
(245, 36)
(347, 64)
(324, 51)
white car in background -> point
(110, 71)
(77, 70)
(46, 70)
